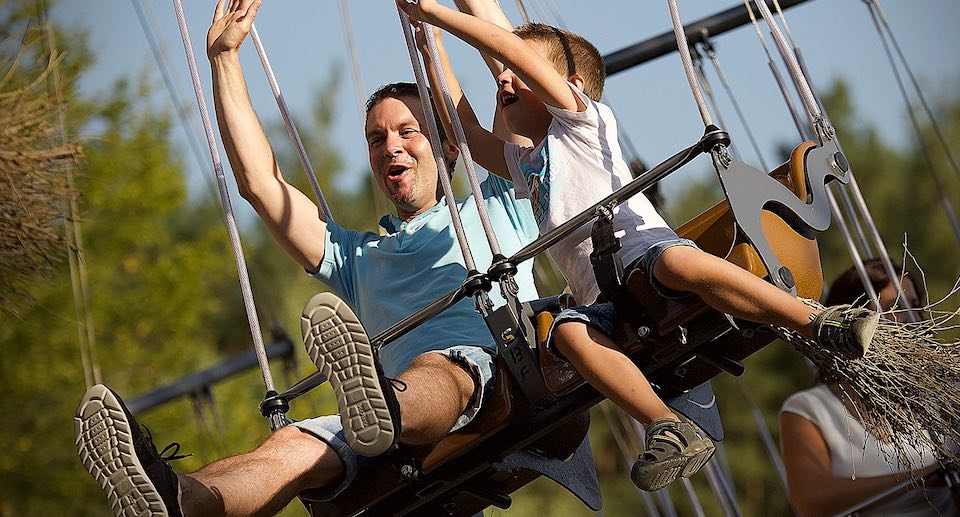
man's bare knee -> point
(312, 460)
(441, 369)
(675, 268)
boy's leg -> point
(137, 480)
(735, 291)
(730, 289)
(608, 370)
(674, 447)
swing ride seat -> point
(687, 343)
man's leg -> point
(264, 480)
(437, 392)
(137, 480)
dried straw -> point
(906, 387)
(33, 182)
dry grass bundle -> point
(34, 185)
(907, 383)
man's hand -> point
(231, 26)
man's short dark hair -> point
(404, 90)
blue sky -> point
(305, 42)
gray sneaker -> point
(123, 459)
(674, 449)
(338, 345)
(846, 330)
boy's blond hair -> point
(570, 54)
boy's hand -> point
(230, 27)
(417, 10)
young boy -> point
(548, 93)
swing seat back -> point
(671, 350)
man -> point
(444, 368)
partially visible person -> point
(832, 461)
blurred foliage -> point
(165, 300)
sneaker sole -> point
(105, 444)
(339, 347)
(693, 459)
(700, 456)
(658, 477)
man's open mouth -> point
(507, 99)
(394, 172)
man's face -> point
(401, 157)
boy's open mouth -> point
(507, 99)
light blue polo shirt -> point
(387, 278)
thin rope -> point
(799, 79)
(555, 12)
(74, 236)
(228, 218)
(916, 86)
(434, 132)
(712, 100)
(180, 106)
(687, 61)
(769, 446)
(837, 215)
(852, 250)
(712, 54)
(781, 84)
(523, 11)
(918, 132)
(188, 118)
(461, 139)
(786, 26)
(291, 128)
(626, 454)
(379, 199)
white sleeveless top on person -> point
(854, 451)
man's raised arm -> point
(292, 218)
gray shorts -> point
(477, 360)
(603, 316)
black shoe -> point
(123, 459)
(338, 345)
(846, 330)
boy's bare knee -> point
(676, 267)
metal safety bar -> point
(710, 138)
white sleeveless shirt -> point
(854, 451)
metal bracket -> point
(750, 191)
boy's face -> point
(524, 112)
(401, 158)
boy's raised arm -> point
(292, 218)
(485, 147)
(490, 39)
(490, 11)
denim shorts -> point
(479, 361)
(652, 255)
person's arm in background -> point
(485, 147)
(490, 11)
(814, 490)
(292, 218)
